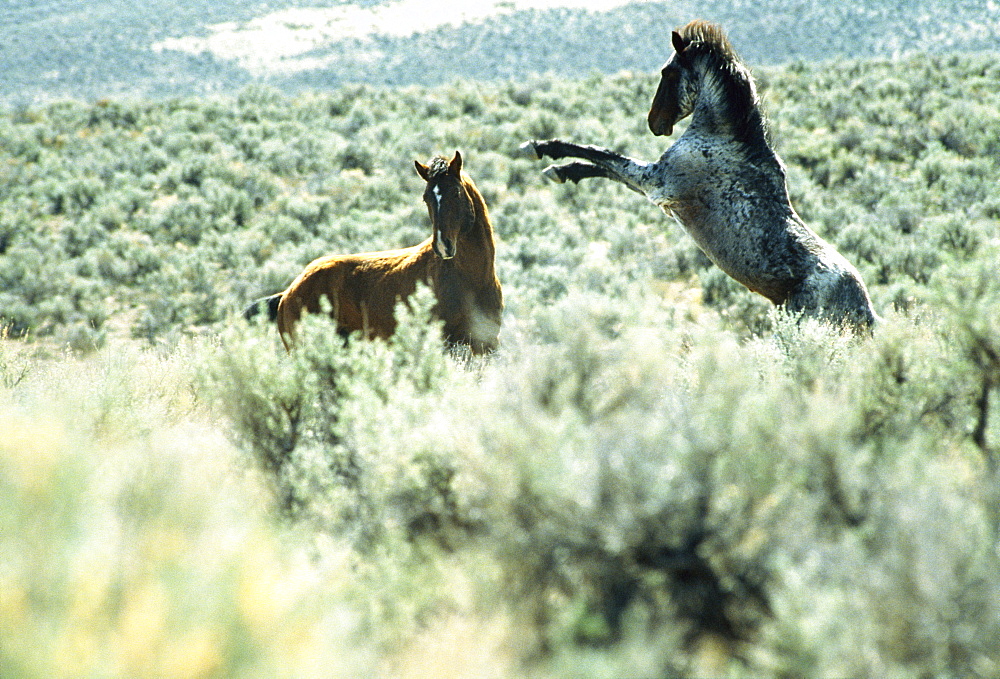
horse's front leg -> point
(556, 149)
(574, 172)
(601, 162)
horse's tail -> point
(259, 305)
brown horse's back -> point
(361, 290)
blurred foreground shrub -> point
(131, 546)
(640, 493)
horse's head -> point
(697, 45)
(448, 202)
(677, 91)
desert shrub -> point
(15, 360)
(631, 476)
(301, 415)
(131, 548)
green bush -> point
(133, 546)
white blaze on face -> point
(437, 211)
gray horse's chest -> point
(698, 186)
(730, 209)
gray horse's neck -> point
(727, 122)
(727, 106)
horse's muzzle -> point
(659, 125)
(445, 248)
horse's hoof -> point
(528, 149)
(552, 172)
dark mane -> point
(438, 166)
(708, 38)
(741, 101)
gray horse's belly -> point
(765, 260)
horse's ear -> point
(680, 44)
(455, 167)
(422, 170)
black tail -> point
(269, 303)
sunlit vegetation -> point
(163, 217)
(656, 475)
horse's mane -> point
(709, 38)
(706, 38)
(438, 165)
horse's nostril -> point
(445, 247)
(659, 126)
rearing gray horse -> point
(724, 183)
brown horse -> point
(725, 184)
(457, 262)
